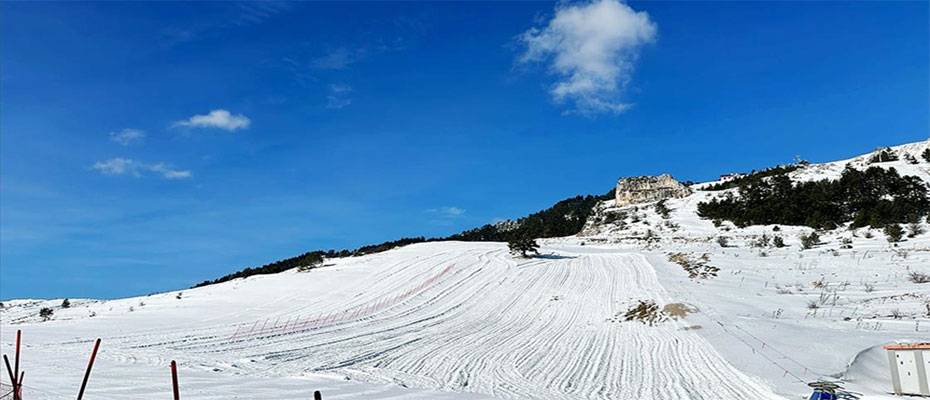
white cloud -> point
(126, 166)
(127, 136)
(220, 119)
(592, 48)
(169, 173)
(338, 96)
(117, 166)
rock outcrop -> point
(645, 189)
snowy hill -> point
(459, 320)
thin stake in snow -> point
(90, 364)
(174, 380)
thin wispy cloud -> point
(339, 96)
(128, 167)
(127, 136)
(218, 119)
(447, 211)
(591, 48)
(340, 58)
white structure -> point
(909, 366)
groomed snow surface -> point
(454, 320)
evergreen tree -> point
(894, 233)
(522, 246)
(46, 313)
(926, 155)
(66, 303)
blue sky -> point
(149, 146)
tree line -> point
(565, 218)
(874, 197)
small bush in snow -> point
(809, 241)
(763, 241)
(868, 234)
(179, 295)
(777, 241)
(65, 303)
(646, 311)
(662, 209)
(723, 241)
(919, 277)
(914, 229)
(893, 233)
(926, 155)
(883, 155)
(46, 313)
(868, 287)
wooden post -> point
(174, 380)
(90, 365)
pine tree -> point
(522, 246)
(894, 233)
(46, 313)
(926, 155)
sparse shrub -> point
(46, 313)
(723, 241)
(883, 155)
(65, 303)
(178, 296)
(919, 277)
(868, 287)
(717, 222)
(696, 269)
(776, 229)
(914, 229)
(523, 246)
(809, 241)
(662, 209)
(846, 243)
(894, 233)
(813, 305)
(763, 241)
(926, 155)
(645, 311)
(868, 234)
(777, 241)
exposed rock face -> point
(645, 189)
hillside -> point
(741, 317)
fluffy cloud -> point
(591, 47)
(127, 136)
(220, 119)
(126, 166)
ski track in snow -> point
(484, 323)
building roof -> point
(907, 346)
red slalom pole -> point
(19, 337)
(174, 380)
(90, 365)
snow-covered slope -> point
(466, 320)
